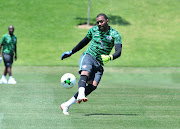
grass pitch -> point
(47, 28)
(126, 98)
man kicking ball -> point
(103, 38)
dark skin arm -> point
(15, 52)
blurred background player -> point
(8, 42)
(103, 38)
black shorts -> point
(88, 63)
(8, 59)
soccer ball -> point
(68, 80)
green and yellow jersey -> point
(102, 42)
(9, 43)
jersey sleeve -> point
(3, 40)
(117, 38)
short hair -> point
(11, 26)
(102, 14)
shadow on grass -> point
(115, 20)
(106, 114)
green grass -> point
(144, 94)
(45, 29)
(127, 97)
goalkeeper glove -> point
(106, 58)
(0, 59)
(66, 54)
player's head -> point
(102, 22)
(11, 29)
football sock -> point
(82, 81)
(3, 76)
(71, 101)
(76, 95)
(88, 90)
(81, 91)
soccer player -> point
(103, 38)
(8, 42)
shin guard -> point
(82, 81)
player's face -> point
(102, 23)
(11, 30)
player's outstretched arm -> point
(78, 47)
(66, 54)
(81, 44)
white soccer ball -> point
(68, 80)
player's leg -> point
(9, 70)
(79, 96)
(93, 82)
(86, 63)
(5, 71)
(95, 78)
(83, 78)
(11, 79)
(82, 85)
(65, 106)
(89, 88)
(5, 59)
(85, 68)
(3, 78)
(95, 72)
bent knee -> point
(94, 83)
(85, 73)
